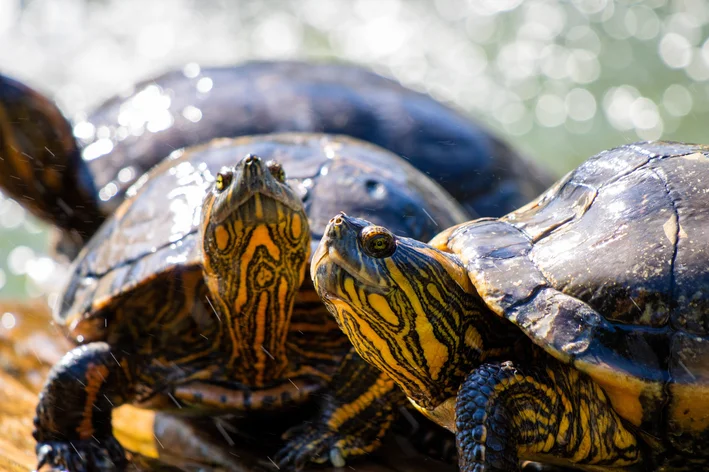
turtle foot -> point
(312, 444)
(91, 455)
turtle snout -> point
(333, 228)
(348, 223)
(251, 159)
(253, 168)
(338, 226)
(339, 219)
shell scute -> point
(564, 326)
(494, 252)
(556, 209)
(617, 257)
(687, 181)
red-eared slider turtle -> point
(190, 296)
(74, 184)
(573, 331)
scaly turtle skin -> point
(190, 297)
(75, 184)
(572, 331)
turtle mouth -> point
(320, 253)
(336, 267)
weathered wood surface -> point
(28, 349)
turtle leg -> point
(505, 413)
(360, 408)
(73, 421)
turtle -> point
(192, 297)
(74, 181)
(573, 331)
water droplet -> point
(8, 320)
(97, 149)
(205, 84)
(191, 70)
(108, 192)
(126, 174)
(18, 259)
(675, 50)
(160, 121)
(12, 215)
(192, 113)
(550, 111)
(677, 100)
(40, 269)
(644, 114)
(580, 104)
(84, 130)
(103, 132)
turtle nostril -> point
(338, 220)
(251, 159)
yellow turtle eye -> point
(277, 171)
(378, 242)
(222, 181)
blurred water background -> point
(561, 80)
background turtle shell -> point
(609, 271)
(155, 231)
(127, 135)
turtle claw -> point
(310, 444)
(81, 456)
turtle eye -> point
(378, 242)
(223, 180)
(277, 171)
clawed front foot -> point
(313, 443)
(106, 455)
(354, 418)
(73, 422)
(506, 411)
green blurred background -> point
(561, 80)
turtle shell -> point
(75, 183)
(129, 134)
(154, 233)
(607, 271)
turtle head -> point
(255, 244)
(408, 308)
